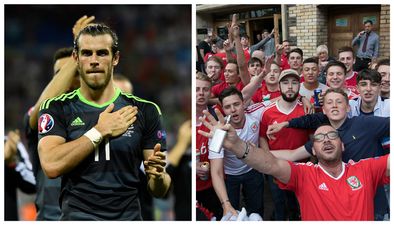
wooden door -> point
(346, 22)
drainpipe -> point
(283, 9)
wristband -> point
(224, 201)
(246, 151)
(94, 136)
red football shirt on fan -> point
(285, 63)
(217, 89)
(287, 138)
(202, 147)
(350, 196)
(263, 94)
(351, 82)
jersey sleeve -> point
(154, 132)
(296, 175)
(51, 119)
(377, 167)
(263, 125)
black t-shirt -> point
(205, 46)
(104, 185)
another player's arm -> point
(158, 179)
(58, 157)
(258, 158)
(63, 78)
(58, 85)
(183, 142)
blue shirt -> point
(372, 50)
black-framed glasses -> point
(331, 135)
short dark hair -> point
(345, 49)
(253, 60)
(62, 53)
(311, 60)
(233, 61)
(335, 63)
(228, 92)
(245, 36)
(98, 29)
(285, 41)
(297, 50)
(368, 21)
(338, 91)
(368, 74)
(383, 62)
(219, 44)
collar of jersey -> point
(84, 100)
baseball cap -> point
(289, 72)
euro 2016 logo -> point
(45, 123)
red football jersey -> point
(351, 82)
(285, 63)
(202, 147)
(287, 138)
(350, 196)
(217, 89)
(263, 94)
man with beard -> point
(284, 109)
(95, 138)
(330, 190)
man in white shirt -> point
(247, 124)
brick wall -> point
(384, 48)
(307, 27)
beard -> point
(289, 99)
(93, 83)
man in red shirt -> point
(205, 194)
(283, 51)
(287, 107)
(236, 71)
(346, 56)
(329, 190)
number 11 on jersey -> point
(96, 151)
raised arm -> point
(242, 64)
(258, 158)
(262, 42)
(61, 82)
(255, 82)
